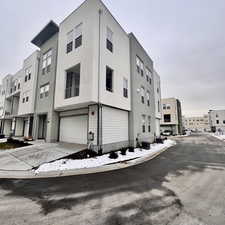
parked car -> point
(167, 133)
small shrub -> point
(159, 141)
(100, 152)
(131, 149)
(113, 155)
(123, 151)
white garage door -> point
(114, 125)
(74, 129)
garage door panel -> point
(115, 125)
(74, 129)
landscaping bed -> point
(97, 161)
(12, 144)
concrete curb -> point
(53, 174)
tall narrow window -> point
(49, 60)
(159, 106)
(46, 62)
(69, 46)
(109, 40)
(109, 79)
(138, 64)
(148, 98)
(142, 68)
(125, 88)
(143, 123)
(27, 74)
(148, 75)
(149, 124)
(78, 35)
(73, 82)
(44, 90)
(142, 95)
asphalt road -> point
(183, 186)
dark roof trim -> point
(45, 34)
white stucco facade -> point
(93, 58)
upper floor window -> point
(109, 79)
(109, 40)
(143, 123)
(148, 98)
(142, 95)
(217, 121)
(224, 122)
(148, 75)
(168, 106)
(125, 88)
(138, 64)
(73, 82)
(142, 68)
(46, 62)
(149, 124)
(78, 35)
(44, 91)
(69, 46)
(27, 74)
(18, 86)
(25, 97)
(164, 106)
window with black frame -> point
(78, 35)
(109, 40)
(109, 79)
(73, 82)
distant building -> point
(217, 120)
(171, 116)
(199, 123)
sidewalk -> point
(27, 158)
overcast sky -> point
(186, 40)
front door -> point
(42, 128)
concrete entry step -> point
(36, 155)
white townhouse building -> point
(88, 83)
(217, 120)
(17, 99)
(93, 78)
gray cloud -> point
(186, 40)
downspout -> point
(99, 130)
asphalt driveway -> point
(184, 185)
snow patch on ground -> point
(3, 140)
(219, 136)
(70, 164)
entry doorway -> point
(42, 127)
